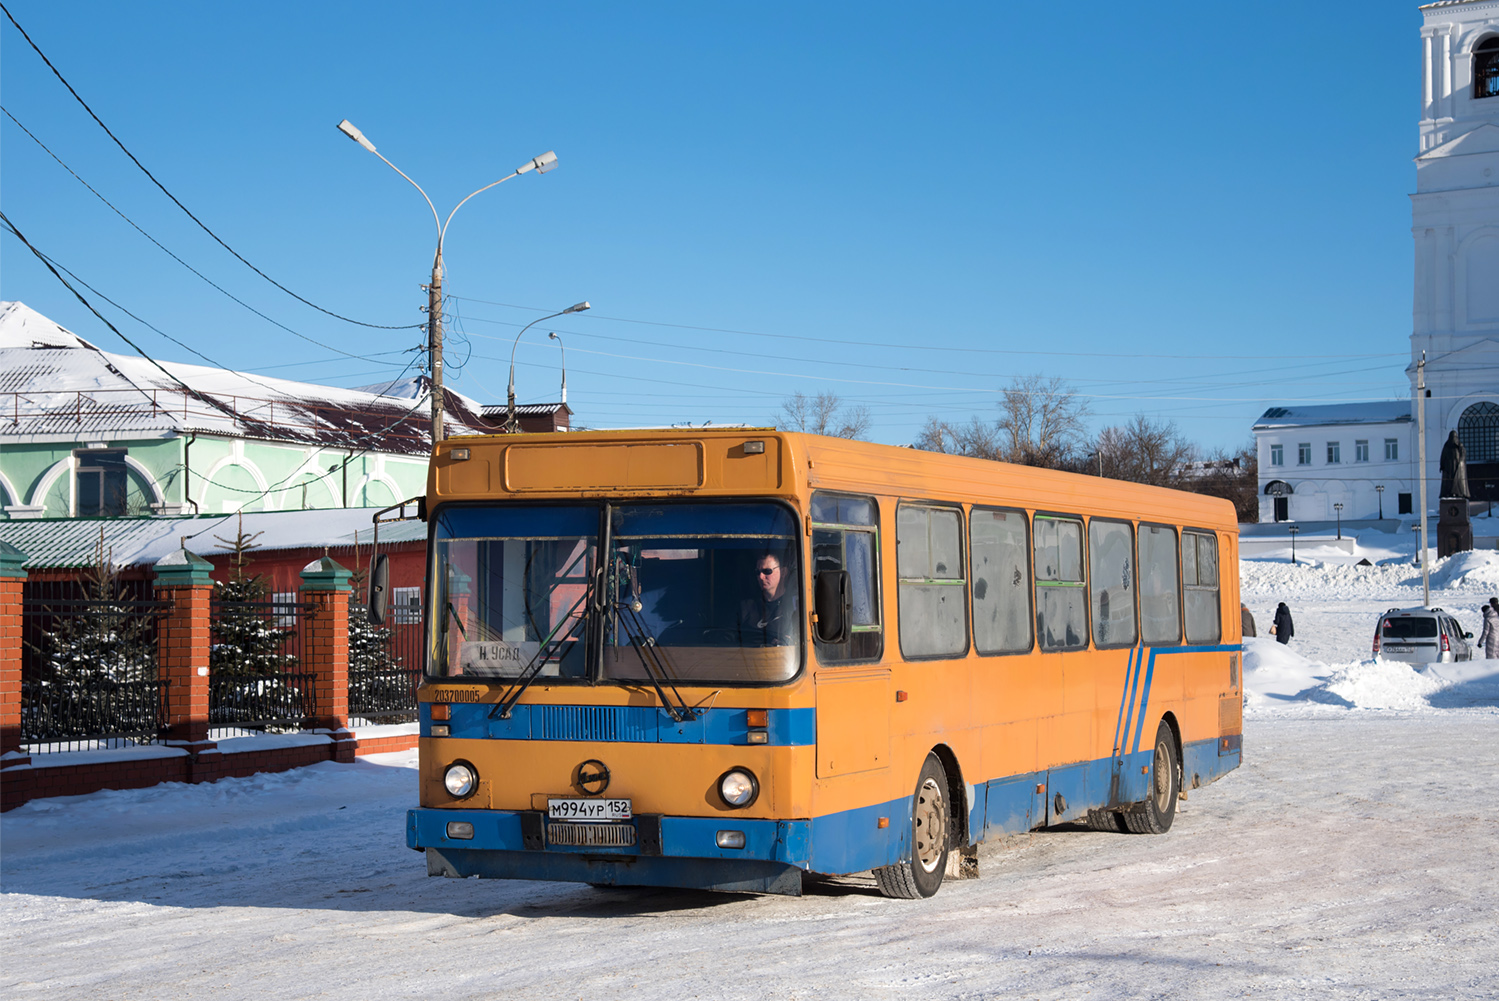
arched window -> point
(1486, 68)
(1278, 488)
(1478, 430)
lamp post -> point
(1379, 490)
(511, 424)
(1293, 530)
(554, 336)
(540, 164)
(1338, 507)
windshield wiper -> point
(534, 666)
(653, 659)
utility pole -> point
(1421, 449)
(434, 343)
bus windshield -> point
(706, 593)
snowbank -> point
(1276, 677)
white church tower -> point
(1455, 222)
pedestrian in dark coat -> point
(1283, 629)
(1245, 620)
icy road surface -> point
(1351, 857)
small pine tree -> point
(376, 679)
(87, 659)
(246, 639)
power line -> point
(919, 347)
(184, 208)
(173, 256)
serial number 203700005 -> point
(589, 809)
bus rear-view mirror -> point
(379, 595)
(831, 602)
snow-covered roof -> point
(54, 382)
(1373, 412)
(74, 542)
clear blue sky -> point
(1192, 211)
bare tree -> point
(1041, 423)
(1145, 451)
(1234, 476)
(824, 414)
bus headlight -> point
(738, 787)
(460, 779)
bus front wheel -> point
(921, 875)
(1154, 816)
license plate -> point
(1401, 649)
(589, 810)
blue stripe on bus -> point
(850, 840)
(1129, 666)
(623, 724)
(1150, 671)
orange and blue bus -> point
(728, 659)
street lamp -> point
(511, 425)
(1339, 508)
(541, 164)
(554, 336)
(1293, 530)
(1379, 489)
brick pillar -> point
(182, 641)
(15, 764)
(325, 649)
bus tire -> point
(1108, 821)
(1154, 816)
(921, 874)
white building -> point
(1455, 314)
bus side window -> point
(1111, 551)
(1200, 585)
(932, 605)
(845, 536)
(1160, 607)
(1001, 581)
(1061, 598)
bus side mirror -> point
(379, 595)
(832, 604)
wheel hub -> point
(931, 825)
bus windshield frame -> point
(616, 591)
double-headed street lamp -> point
(512, 425)
(1379, 492)
(540, 164)
(1293, 530)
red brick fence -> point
(186, 753)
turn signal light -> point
(441, 711)
(758, 718)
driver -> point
(769, 618)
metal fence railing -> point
(385, 670)
(257, 681)
(88, 670)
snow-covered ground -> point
(1350, 857)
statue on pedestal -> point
(1454, 465)
(1454, 530)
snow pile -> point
(1277, 677)
(1472, 568)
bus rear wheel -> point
(1154, 816)
(921, 875)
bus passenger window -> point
(1111, 554)
(1200, 584)
(929, 564)
(1061, 604)
(1001, 581)
(1160, 610)
(845, 536)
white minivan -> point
(1421, 636)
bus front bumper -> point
(663, 851)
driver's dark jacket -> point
(768, 623)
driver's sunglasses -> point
(767, 571)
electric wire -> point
(175, 201)
(169, 253)
(921, 347)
